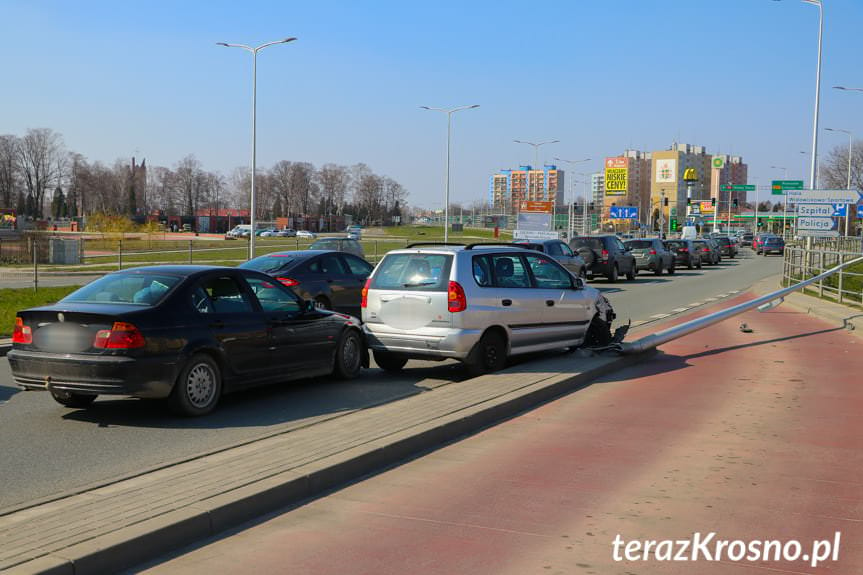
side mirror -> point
(578, 284)
(309, 306)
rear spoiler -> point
(433, 244)
(484, 244)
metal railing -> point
(846, 286)
(767, 301)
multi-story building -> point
(508, 187)
(597, 190)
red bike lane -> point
(754, 436)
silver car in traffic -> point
(479, 304)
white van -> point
(237, 232)
(689, 233)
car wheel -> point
(699, 264)
(658, 270)
(198, 388)
(633, 271)
(612, 277)
(488, 355)
(323, 303)
(69, 399)
(671, 270)
(598, 333)
(390, 361)
(689, 265)
(349, 355)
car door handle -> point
(506, 302)
(549, 302)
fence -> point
(845, 286)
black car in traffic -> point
(185, 333)
(333, 280)
(605, 256)
(686, 253)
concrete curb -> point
(133, 544)
(847, 317)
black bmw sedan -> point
(333, 280)
(185, 333)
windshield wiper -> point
(419, 284)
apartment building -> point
(508, 187)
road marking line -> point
(660, 315)
(679, 309)
(734, 291)
(711, 298)
(696, 304)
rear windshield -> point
(639, 244)
(270, 263)
(724, 240)
(592, 243)
(142, 289)
(423, 272)
(773, 240)
(675, 245)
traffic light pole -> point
(729, 211)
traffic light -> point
(734, 202)
(673, 224)
(688, 201)
(665, 201)
(713, 202)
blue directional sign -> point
(623, 212)
(840, 210)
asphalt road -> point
(48, 451)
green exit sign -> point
(739, 188)
(779, 186)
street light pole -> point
(449, 112)
(254, 52)
(848, 186)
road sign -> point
(718, 162)
(824, 196)
(536, 207)
(822, 210)
(623, 212)
(818, 234)
(777, 187)
(535, 235)
(738, 187)
(816, 223)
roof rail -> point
(433, 244)
(483, 244)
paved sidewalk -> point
(750, 435)
(106, 529)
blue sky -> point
(118, 79)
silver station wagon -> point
(479, 304)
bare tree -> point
(9, 181)
(40, 154)
(834, 169)
(187, 180)
(334, 182)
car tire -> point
(698, 266)
(598, 333)
(388, 361)
(633, 271)
(488, 355)
(658, 270)
(349, 355)
(70, 399)
(612, 277)
(689, 265)
(323, 303)
(671, 270)
(198, 387)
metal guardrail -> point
(845, 287)
(656, 339)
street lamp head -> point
(286, 40)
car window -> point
(273, 297)
(553, 249)
(564, 249)
(145, 289)
(223, 295)
(482, 271)
(270, 263)
(357, 266)
(548, 274)
(639, 244)
(618, 244)
(329, 265)
(509, 272)
(673, 245)
(423, 272)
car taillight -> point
(705, 250)
(652, 252)
(456, 299)
(121, 336)
(605, 254)
(288, 282)
(364, 302)
(684, 250)
(21, 333)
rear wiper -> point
(420, 284)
